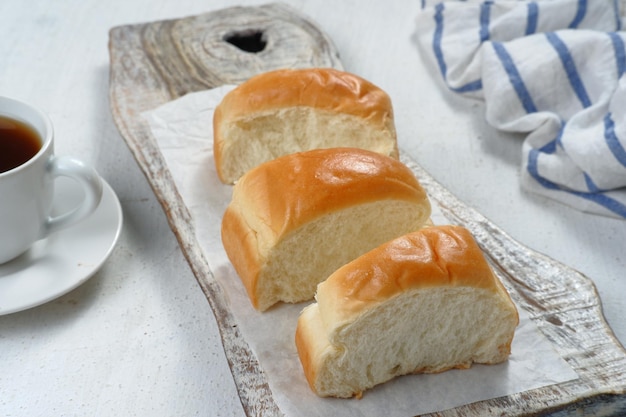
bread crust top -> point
(440, 256)
(323, 88)
(294, 189)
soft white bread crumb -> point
(425, 302)
(294, 220)
(293, 110)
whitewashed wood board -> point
(156, 62)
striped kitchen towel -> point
(552, 69)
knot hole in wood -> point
(250, 40)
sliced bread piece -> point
(293, 110)
(425, 302)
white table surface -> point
(139, 338)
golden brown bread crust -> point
(241, 247)
(281, 195)
(325, 88)
(322, 88)
(297, 188)
(433, 256)
(308, 354)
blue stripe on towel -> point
(533, 16)
(580, 14)
(612, 141)
(620, 52)
(438, 51)
(591, 186)
(570, 68)
(514, 77)
(533, 170)
(559, 136)
(437, 39)
(616, 10)
(605, 201)
(485, 15)
(471, 86)
(598, 198)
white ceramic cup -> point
(26, 192)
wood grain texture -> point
(156, 62)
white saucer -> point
(63, 261)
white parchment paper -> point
(183, 130)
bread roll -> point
(424, 302)
(294, 220)
(288, 111)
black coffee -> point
(18, 143)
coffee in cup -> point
(18, 143)
(28, 168)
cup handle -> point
(88, 178)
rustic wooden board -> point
(156, 62)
